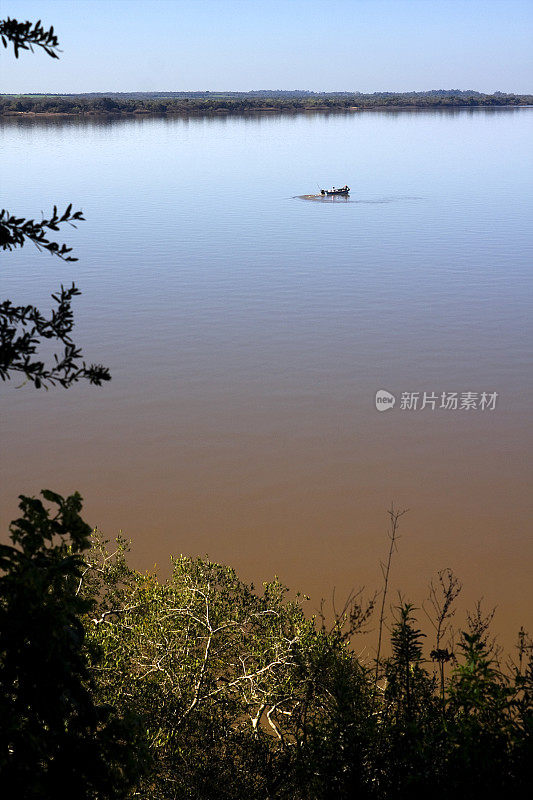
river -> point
(248, 330)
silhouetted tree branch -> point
(26, 35)
(15, 230)
(23, 328)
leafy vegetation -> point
(56, 739)
(27, 35)
(23, 328)
(115, 683)
(238, 102)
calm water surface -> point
(247, 331)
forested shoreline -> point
(241, 102)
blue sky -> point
(323, 45)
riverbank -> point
(229, 112)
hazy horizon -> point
(365, 45)
(263, 90)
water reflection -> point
(28, 119)
(348, 199)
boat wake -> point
(346, 199)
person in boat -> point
(333, 190)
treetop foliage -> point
(114, 683)
(244, 694)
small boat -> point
(344, 190)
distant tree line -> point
(234, 102)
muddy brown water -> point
(248, 332)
